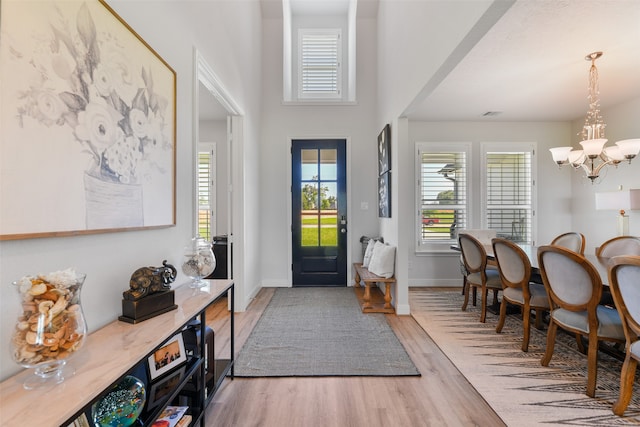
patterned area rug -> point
(321, 332)
(514, 383)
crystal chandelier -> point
(594, 155)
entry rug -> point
(514, 383)
(321, 332)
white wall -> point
(554, 211)
(227, 33)
(282, 122)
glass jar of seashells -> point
(51, 326)
(198, 261)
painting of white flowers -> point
(87, 111)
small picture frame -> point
(384, 150)
(166, 358)
(161, 388)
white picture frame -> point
(167, 357)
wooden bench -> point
(369, 279)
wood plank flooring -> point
(441, 397)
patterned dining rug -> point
(321, 332)
(514, 383)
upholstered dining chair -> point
(484, 236)
(621, 245)
(573, 241)
(574, 288)
(624, 281)
(514, 268)
(477, 276)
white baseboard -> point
(435, 283)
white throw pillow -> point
(368, 252)
(383, 260)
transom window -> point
(319, 74)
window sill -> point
(319, 102)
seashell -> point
(74, 308)
(22, 325)
(58, 307)
(26, 354)
(50, 295)
(28, 307)
(38, 289)
(50, 340)
(33, 348)
(45, 306)
(31, 338)
(60, 332)
(34, 318)
(73, 337)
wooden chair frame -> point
(605, 249)
(475, 266)
(589, 306)
(522, 282)
(559, 240)
(631, 332)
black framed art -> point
(384, 150)
(384, 195)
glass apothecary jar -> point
(198, 261)
(51, 326)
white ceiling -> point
(529, 66)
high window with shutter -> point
(508, 191)
(442, 171)
(319, 71)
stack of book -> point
(173, 416)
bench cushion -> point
(383, 260)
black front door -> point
(319, 212)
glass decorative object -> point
(198, 261)
(122, 406)
(51, 326)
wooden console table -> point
(108, 355)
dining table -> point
(600, 263)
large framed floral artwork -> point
(88, 118)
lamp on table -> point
(622, 201)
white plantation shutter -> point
(442, 196)
(319, 65)
(205, 193)
(509, 193)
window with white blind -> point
(319, 64)
(508, 190)
(442, 172)
(206, 191)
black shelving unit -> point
(187, 388)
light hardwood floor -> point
(440, 397)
